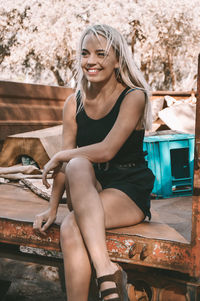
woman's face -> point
(97, 64)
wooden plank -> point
(40, 145)
(25, 107)
(11, 112)
(24, 90)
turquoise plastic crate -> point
(171, 159)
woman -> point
(102, 164)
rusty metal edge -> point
(22, 233)
(161, 254)
(195, 237)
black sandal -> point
(120, 280)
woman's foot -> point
(112, 286)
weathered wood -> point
(38, 188)
(28, 107)
(40, 145)
(27, 169)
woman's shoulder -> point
(136, 92)
(135, 96)
(70, 100)
(70, 104)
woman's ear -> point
(117, 65)
(118, 75)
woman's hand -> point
(54, 165)
(44, 220)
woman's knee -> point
(77, 165)
(79, 170)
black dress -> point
(128, 170)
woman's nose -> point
(91, 59)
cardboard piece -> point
(180, 117)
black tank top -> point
(92, 131)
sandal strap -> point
(120, 280)
(109, 291)
(113, 299)
(105, 278)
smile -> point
(92, 71)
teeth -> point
(92, 71)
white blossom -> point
(38, 38)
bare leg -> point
(89, 212)
(88, 223)
(76, 260)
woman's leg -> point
(89, 212)
(77, 264)
(76, 260)
(93, 212)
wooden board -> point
(40, 145)
(28, 107)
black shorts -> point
(136, 181)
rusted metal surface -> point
(149, 252)
(21, 233)
(18, 208)
(122, 244)
(195, 241)
(158, 285)
(39, 256)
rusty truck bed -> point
(18, 207)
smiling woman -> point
(98, 64)
(101, 165)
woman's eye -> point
(84, 53)
(102, 54)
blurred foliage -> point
(38, 38)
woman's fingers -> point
(38, 222)
(47, 224)
(42, 223)
(56, 170)
(44, 178)
(51, 165)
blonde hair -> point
(128, 73)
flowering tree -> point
(38, 38)
(170, 40)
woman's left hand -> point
(54, 165)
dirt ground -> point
(30, 282)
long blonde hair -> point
(128, 73)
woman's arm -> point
(130, 114)
(46, 218)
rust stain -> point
(22, 233)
